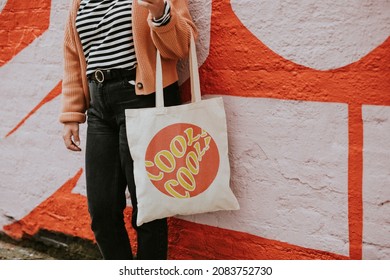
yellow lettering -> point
(169, 188)
(192, 165)
(185, 172)
(190, 136)
(207, 141)
(167, 168)
(181, 150)
(199, 152)
(150, 175)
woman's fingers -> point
(71, 136)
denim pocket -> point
(97, 101)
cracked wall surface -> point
(376, 182)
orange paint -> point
(355, 181)
(190, 241)
(259, 72)
(67, 213)
(240, 65)
(52, 94)
(63, 212)
(21, 22)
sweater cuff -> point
(165, 18)
(72, 117)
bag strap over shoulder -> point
(194, 76)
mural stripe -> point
(65, 212)
(259, 72)
(223, 244)
(56, 91)
(355, 181)
(238, 64)
(364, 82)
(21, 22)
(52, 213)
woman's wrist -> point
(165, 17)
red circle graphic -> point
(182, 160)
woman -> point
(109, 61)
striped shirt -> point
(105, 30)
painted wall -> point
(306, 86)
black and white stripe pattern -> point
(165, 18)
(105, 30)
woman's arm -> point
(73, 99)
(173, 38)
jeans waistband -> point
(102, 75)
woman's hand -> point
(71, 136)
(155, 7)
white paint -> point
(322, 35)
(2, 4)
(376, 183)
(34, 162)
(289, 159)
(34, 72)
(289, 170)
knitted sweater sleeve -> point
(73, 97)
(173, 39)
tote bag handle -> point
(194, 76)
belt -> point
(101, 75)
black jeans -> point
(109, 169)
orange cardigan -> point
(172, 40)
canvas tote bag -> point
(180, 154)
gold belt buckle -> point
(99, 76)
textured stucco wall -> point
(306, 86)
